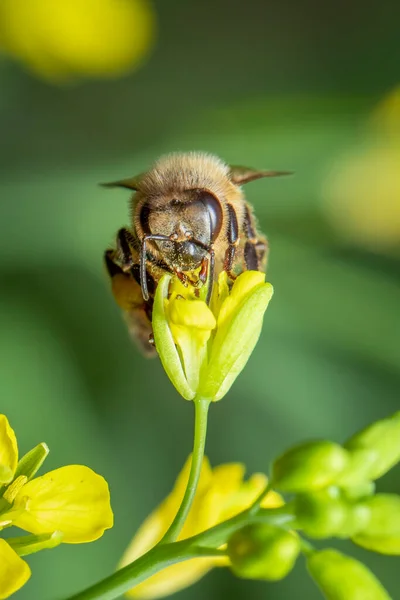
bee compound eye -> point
(214, 210)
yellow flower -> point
(76, 38)
(203, 349)
(70, 505)
(222, 493)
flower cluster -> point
(332, 495)
(70, 505)
(61, 41)
(203, 349)
(334, 487)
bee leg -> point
(124, 242)
(211, 269)
(233, 241)
(256, 249)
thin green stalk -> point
(219, 534)
(201, 406)
(306, 547)
(162, 556)
(257, 502)
(150, 563)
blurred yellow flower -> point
(362, 192)
(222, 493)
(70, 504)
(69, 39)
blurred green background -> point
(288, 85)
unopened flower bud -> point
(341, 577)
(357, 518)
(263, 552)
(320, 514)
(382, 533)
(309, 466)
(383, 438)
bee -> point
(189, 217)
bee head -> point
(190, 221)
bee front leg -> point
(233, 241)
(256, 248)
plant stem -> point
(219, 534)
(162, 556)
(150, 563)
(201, 406)
(256, 504)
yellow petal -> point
(191, 313)
(157, 523)
(243, 286)
(191, 323)
(222, 493)
(73, 499)
(14, 572)
(8, 451)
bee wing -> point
(132, 183)
(240, 175)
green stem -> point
(257, 502)
(201, 406)
(162, 556)
(219, 534)
(150, 563)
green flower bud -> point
(360, 491)
(320, 514)
(357, 518)
(31, 462)
(383, 438)
(382, 533)
(309, 466)
(357, 472)
(341, 577)
(263, 552)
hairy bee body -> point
(189, 216)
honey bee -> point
(190, 218)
